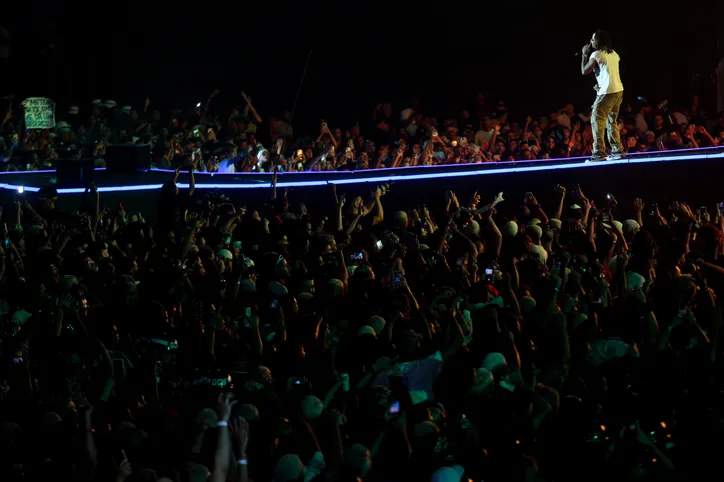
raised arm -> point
(192, 180)
(561, 199)
(208, 103)
(253, 111)
(588, 60)
(240, 429)
(223, 444)
(339, 218)
(275, 177)
(535, 209)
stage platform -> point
(669, 175)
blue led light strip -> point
(384, 178)
(43, 171)
(633, 157)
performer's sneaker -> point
(597, 158)
(616, 156)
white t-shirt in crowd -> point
(641, 123)
(680, 118)
(227, 166)
(482, 136)
(564, 120)
(608, 78)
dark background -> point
(442, 53)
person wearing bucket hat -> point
(62, 126)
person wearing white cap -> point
(449, 474)
(110, 104)
(535, 232)
(377, 323)
(225, 254)
(73, 110)
(97, 102)
(473, 229)
(288, 468)
(224, 260)
(366, 330)
(629, 229)
(495, 362)
(484, 382)
(248, 285)
(527, 305)
(277, 289)
(510, 229)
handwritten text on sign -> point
(39, 113)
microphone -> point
(579, 52)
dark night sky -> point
(522, 52)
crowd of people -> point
(469, 338)
(244, 141)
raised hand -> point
(240, 429)
(580, 194)
(65, 302)
(224, 406)
(639, 205)
(507, 279)
(124, 469)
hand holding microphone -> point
(586, 50)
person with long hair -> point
(599, 57)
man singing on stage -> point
(598, 56)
